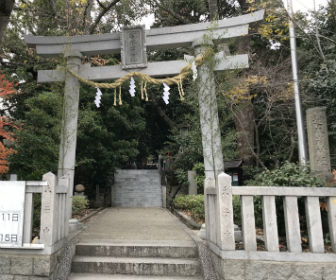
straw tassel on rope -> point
(142, 90)
(120, 101)
(145, 90)
(115, 97)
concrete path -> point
(135, 225)
(135, 244)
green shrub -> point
(182, 177)
(36, 214)
(195, 205)
(289, 174)
(236, 209)
(192, 203)
(79, 203)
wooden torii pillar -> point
(158, 38)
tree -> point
(318, 57)
(102, 142)
(108, 137)
(58, 17)
(6, 125)
(7, 136)
(38, 139)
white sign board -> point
(12, 194)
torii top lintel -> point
(156, 38)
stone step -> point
(145, 186)
(137, 171)
(94, 276)
(136, 266)
(146, 176)
(140, 250)
(134, 179)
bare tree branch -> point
(163, 115)
(101, 14)
(171, 12)
(317, 36)
(101, 4)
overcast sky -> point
(305, 5)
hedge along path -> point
(178, 79)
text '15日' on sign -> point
(11, 213)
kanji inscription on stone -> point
(319, 153)
(133, 47)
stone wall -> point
(137, 188)
(32, 265)
(28, 266)
(237, 269)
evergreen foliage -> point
(79, 204)
(191, 203)
(38, 139)
(289, 174)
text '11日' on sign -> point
(11, 213)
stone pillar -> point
(164, 196)
(13, 177)
(211, 137)
(192, 187)
(225, 227)
(48, 231)
(67, 154)
(319, 155)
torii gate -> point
(132, 44)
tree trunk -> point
(244, 112)
(244, 123)
(87, 18)
(6, 7)
(213, 8)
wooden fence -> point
(219, 214)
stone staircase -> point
(136, 261)
(137, 188)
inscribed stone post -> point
(48, 214)
(192, 187)
(225, 235)
(211, 137)
(67, 154)
(319, 155)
